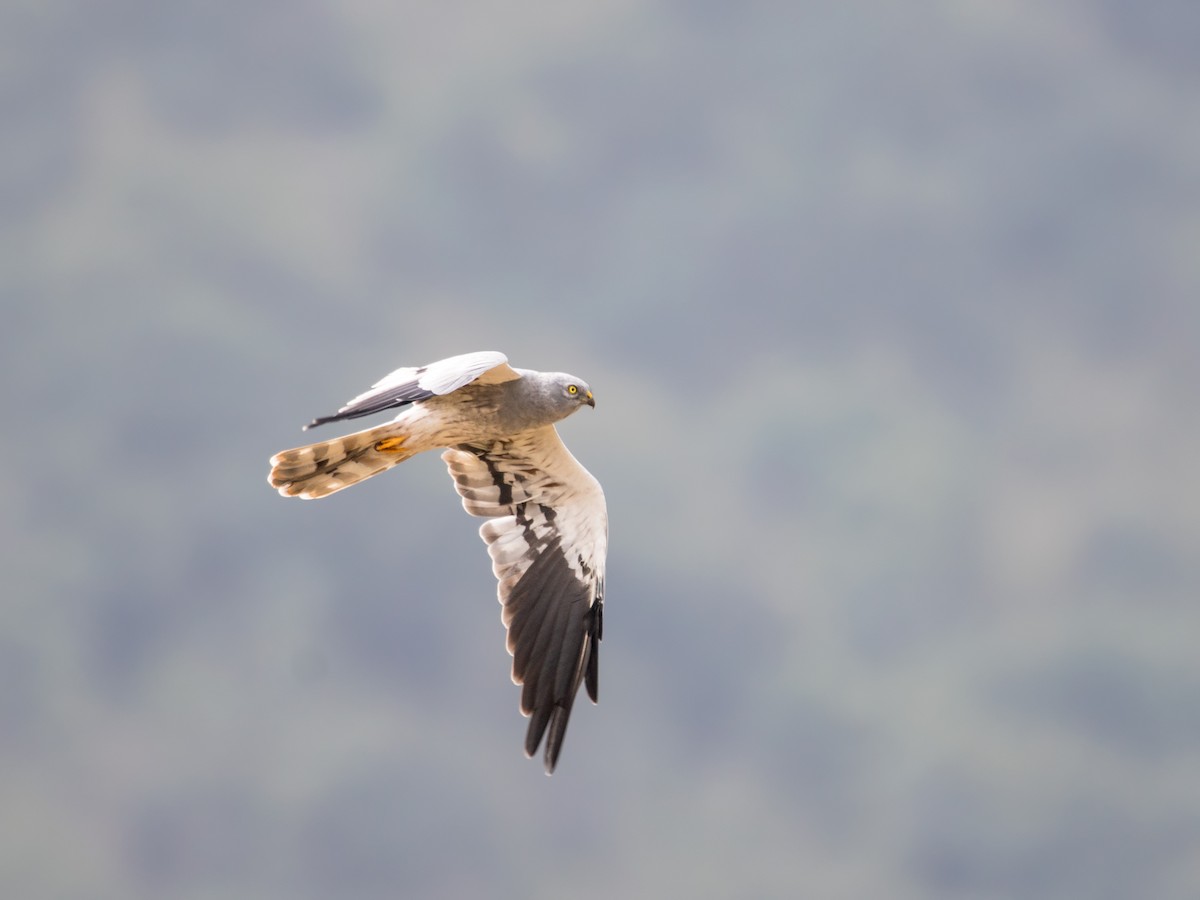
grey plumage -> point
(547, 528)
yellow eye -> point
(572, 389)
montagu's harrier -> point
(546, 528)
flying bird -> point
(547, 524)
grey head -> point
(573, 392)
(546, 397)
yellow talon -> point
(390, 445)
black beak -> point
(591, 401)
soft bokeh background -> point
(892, 314)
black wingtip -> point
(591, 674)
(321, 420)
(555, 733)
(546, 723)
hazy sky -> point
(891, 318)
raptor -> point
(547, 524)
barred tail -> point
(324, 468)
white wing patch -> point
(410, 384)
(448, 375)
(442, 377)
(547, 536)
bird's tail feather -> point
(317, 470)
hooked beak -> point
(591, 401)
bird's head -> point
(576, 391)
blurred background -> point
(891, 311)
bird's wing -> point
(407, 385)
(547, 535)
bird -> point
(547, 521)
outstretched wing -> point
(407, 385)
(547, 536)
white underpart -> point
(540, 472)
